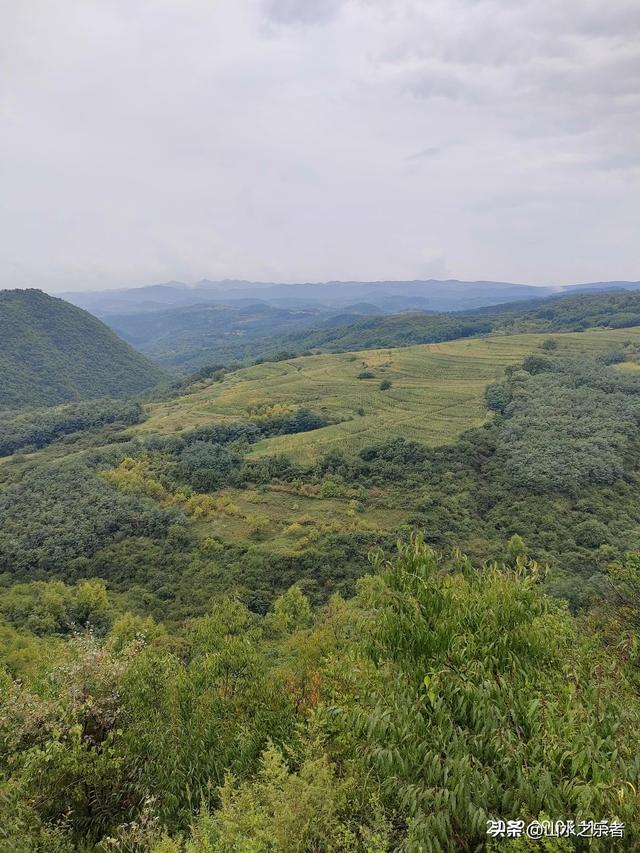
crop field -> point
(436, 393)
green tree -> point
(515, 548)
(484, 703)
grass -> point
(280, 520)
(437, 391)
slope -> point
(436, 391)
(51, 351)
(199, 499)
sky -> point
(307, 140)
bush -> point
(613, 357)
(207, 466)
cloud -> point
(318, 139)
(436, 83)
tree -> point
(485, 700)
(515, 548)
(498, 396)
(591, 533)
(292, 611)
(206, 466)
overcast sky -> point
(305, 140)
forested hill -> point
(51, 351)
(613, 309)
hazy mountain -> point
(614, 309)
(189, 338)
(51, 351)
(260, 319)
(383, 296)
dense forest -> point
(52, 352)
(441, 636)
(33, 429)
(440, 696)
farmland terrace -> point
(436, 392)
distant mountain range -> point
(384, 296)
(185, 327)
(51, 352)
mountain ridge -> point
(429, 294)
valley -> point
(234, 563)
(320, 427)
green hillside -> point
(51, 352)
(616, 310)
(436, 393)
(185, 339)
(379, 597)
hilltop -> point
(51, 352)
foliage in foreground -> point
(439, 696)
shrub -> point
(537, 364)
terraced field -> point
(436, 393)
